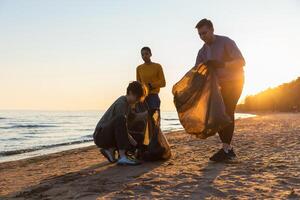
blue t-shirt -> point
(222, 49)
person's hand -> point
(150, 86)
(214, 64)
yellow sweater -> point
(151, 73)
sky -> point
(81, 55)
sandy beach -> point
(268, 167)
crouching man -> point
(111, 134)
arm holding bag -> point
(199, 102)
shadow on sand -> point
(205, 181)
(89, 183)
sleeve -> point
(160, 82)
(121, 109)
(199, 58)
(138, 77)
(232, 50)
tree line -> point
(283, 98)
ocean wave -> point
(86, 129)
(87, 137)
(72, 116)
(170, 129)
(21, 151)
(170, 119)
(6, 140)
(28, 126)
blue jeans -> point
(153, 102)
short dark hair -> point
(204, 22)
(136, 88)
(146, 49)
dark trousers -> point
(114, 134)
(231, 92)
(153, 103)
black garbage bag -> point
(138, 129)
(152, 143)
(158, 147)
(199, 102)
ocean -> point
(25, 134)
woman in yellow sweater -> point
(151, 74)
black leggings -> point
(114, 134)
(231, 92)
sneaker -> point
(108, 155)
(220, 156)
(231, 153)
(131, 155)
(128, 161)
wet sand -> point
(268, 167)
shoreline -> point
(44, 152)
(268, 149)
(55, 149)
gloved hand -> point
(214, 64)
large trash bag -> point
(139, 129)
(199, 102)
(158, 147)
(152, 143)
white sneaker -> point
(126, 161)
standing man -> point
(151, 74)
(222, 54)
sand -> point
(268, 167)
